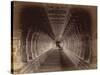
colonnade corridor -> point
(53, 37)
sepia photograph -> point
(50, 37)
